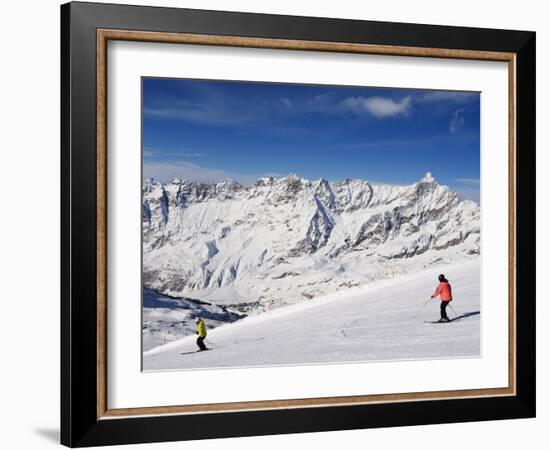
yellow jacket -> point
(201, 328)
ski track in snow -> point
(371, 323)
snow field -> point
(376, 322)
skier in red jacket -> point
(444, 290)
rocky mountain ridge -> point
(283, 240)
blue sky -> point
(205, 130)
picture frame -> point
(86, 418)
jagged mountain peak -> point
(266, 180)
(227, 182)
(292, 179)
(284, 239)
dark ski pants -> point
(200, 343)
(443, 310)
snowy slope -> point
(370, 323)
(283, 241)
(167, 318)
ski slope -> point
(376, 322)
(166, 319)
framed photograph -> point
(277, 224)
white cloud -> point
(320, 100)
(186, 154)
(214, 113)
(154, 153)
(286, 102)
(457, 121)
(379, 107)
(150, 153)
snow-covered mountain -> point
(280, 241)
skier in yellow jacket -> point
(201, 331)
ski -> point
(195, 351)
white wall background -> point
(29, 223)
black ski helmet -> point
(441, 277)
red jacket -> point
(444, 289)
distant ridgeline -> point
(284, 240)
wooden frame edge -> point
(101, 224)
(512, 200)
(290, 44)
(303, 403)
(103, 36)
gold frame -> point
(103, 36)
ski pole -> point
(451, 306)
(422, 307)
